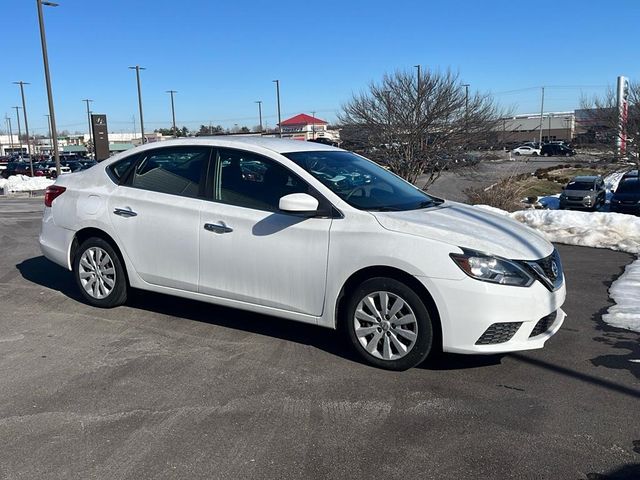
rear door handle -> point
(219, 227)
(125, 212)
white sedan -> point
(526, 150)
(307, 232)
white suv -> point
(307, 232)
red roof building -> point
(302, 119)
(306, 127)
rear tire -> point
(99, 274)
(388, 324)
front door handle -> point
(219, 227)
(125, 212)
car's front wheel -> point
(99, 274)
(388, 324)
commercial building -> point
(526, 128)
(306, 127)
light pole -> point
(19, 132)
(49, 125)
(26, 122)
(87, 101)
(277, 82)
(173, 112)
(313, 125)
(47, 76)
(259, 102)
(541, 113)
(418, 101)
(137, 68)
(8, 120)
(466, 106)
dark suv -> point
(556, 150)
(583, 192)
(626, 198)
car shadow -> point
(41, 271)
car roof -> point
(278, 145)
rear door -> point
(156, 214)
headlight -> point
(491, 269)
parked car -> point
(556, 150)
(324, 236)
(16, 168)
(526, 150)
(626, 198)
(584, 192)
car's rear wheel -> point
(99, 274)
(388, 324)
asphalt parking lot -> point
(170, 388)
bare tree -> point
(418, 126)
(602, 117)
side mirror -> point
(298, 203)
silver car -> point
(583, 192)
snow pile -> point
(625, 291)
(23, 183)
(615, 231)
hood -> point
(578, 193)
(462, 225)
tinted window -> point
(579, 186)
(629, 185)
(119, 168)
(252, 181)
(176, 171)
(361, 182)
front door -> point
(249, 250)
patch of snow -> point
(23, 183)
(615, 231)
(625, 291)
(612, 180)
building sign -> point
(623, 112)
(100, 136)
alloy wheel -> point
(385, 325)
(97, 272)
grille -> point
(545, 265)
(575, 199)
(543, 324)
(499, 333)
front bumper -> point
(470, 308)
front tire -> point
(388, 324)
(99, 274)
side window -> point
(252, 181)
(173, 170)
(119, 168)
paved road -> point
(170, 388)
(452, 184)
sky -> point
(222, 56)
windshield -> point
(360, 182)
(628, 186)
(579, 186)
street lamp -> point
(47, 76)
(259, 102)
(19, 132)
(87, 101)
(277, 82)
(8, 120)
(137, 68)
(49, 124)
(173, 112)
(26, 122)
